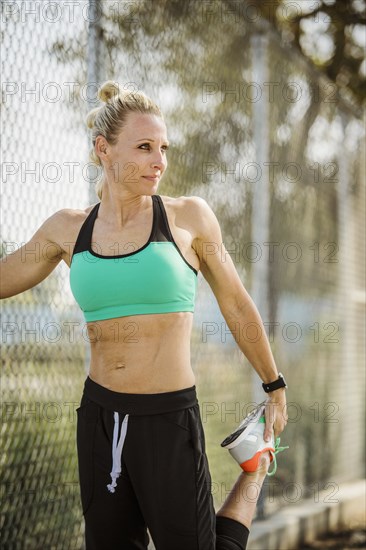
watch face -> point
(283, 381)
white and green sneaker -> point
(246, 443)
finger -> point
(268, 432)
(279, 426)
(270, 419)
(277, 429)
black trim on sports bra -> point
(108, 257)
(81, 240)
(171, 238)
(160, 232)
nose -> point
(159, 161)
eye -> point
(165, 147)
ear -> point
(101, 146)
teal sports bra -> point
(156, 278)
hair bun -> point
(108, 91)
(91, 116)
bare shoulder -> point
(64, 220)
(72, 214)
(182, 201)
(196, 213)
(62, 227)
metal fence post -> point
(94, 70)
(94, 65)
(261, 200)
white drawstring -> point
(117, 450)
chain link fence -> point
(279, 157)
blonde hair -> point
(109, 119)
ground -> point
(340, 540)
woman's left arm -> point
(236, 305)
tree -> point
(328, 32)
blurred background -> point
(264, 105)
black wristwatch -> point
(279, 383)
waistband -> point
(140, 403)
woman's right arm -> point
(35, 260)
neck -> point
(122, 208)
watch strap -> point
(272, 386)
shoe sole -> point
(242, 434)
(244, 429)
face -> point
(138, 159)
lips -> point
(152, 178)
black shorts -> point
(142, 463)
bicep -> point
(217, 266)
(31, 263)
(220, 272)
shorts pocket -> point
(197, 435)
(205, 510)
(87, 420)
(174, 491)
(179, 418)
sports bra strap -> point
(160, 229)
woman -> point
(133, 272)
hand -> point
(275, 413)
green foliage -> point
(338, 18)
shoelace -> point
(277, 450)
